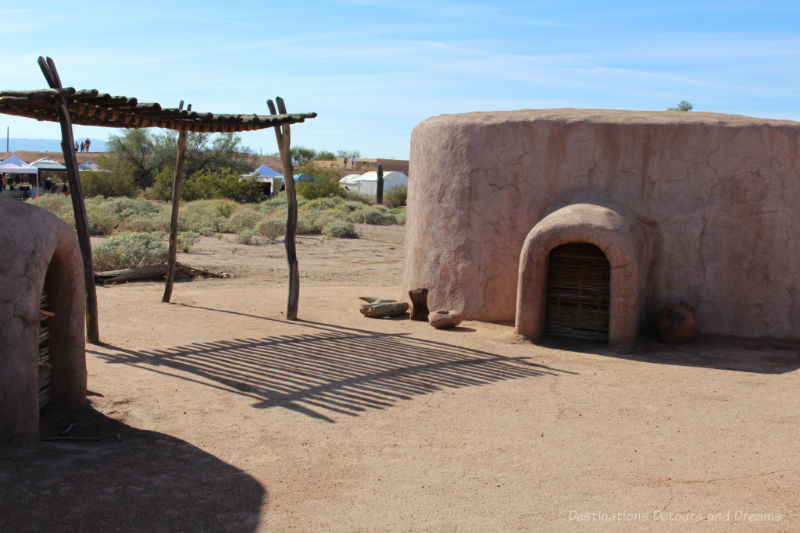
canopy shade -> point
(48, 165)
(92, 108)
(89, 165)
(15, 165)
(264, 172)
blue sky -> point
(372, 69)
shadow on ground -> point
(333, 369)
(759, 356)
(93, 473)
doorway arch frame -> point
(624, 241)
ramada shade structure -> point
(69, 106)
(93, 108)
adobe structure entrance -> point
(581, 274)
(577, 292)
(42, 349)
(692, 207)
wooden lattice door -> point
(578, 292)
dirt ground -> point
(213, 413)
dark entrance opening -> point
(578, 277)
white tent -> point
(88, 166)
(367, 183)
(15, 165)
(350, 182)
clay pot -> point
(444, 319)
(676, 323)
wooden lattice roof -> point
(93, 108)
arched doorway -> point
(624, 243)
(578, 277)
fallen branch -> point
(154, 272)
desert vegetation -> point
(127, 201)
(128, 219)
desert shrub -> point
(319, 204)
(355, 196)
(396, 196)
(129, 250)
(378, 217)
(271, 229)
(207, 184)
(308, 225)
(187, 239)
(245, 218)
(108, 184)
(224, 208)
(341, 229)
(321, 188)
(245, 236)
(399, 215)
(205, 217)
(325, 181)
(58, 204)
(102, 223)
(268, 206)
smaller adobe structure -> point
(584, 223)
(42, 300)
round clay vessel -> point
(676, 323)
(444, 319)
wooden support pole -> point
(284, 137)
(76, 194)
(173, 223)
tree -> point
(341, 154)
(324, 184)
(325, 155)
(143, 154)
(302, 155)
(683, 105)
(132, 153)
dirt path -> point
(213, 413)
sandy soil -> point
(213, 413)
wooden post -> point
(173, 223)
(283, 135)
(76, 194)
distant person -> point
(345, 161)
(353, 161)
(83, 145)
(88, 144)
(76, 146)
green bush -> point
(58, 204)
(207, 184)
(355, 196)
(245, 237)
(271, 229)
(187, 239)
(108, 184)
(244, 218)
(340, 229)
(396, 196)
(377, 217)
(129, 250)
(326, 182)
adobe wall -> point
(39, 251)
(718, 195)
